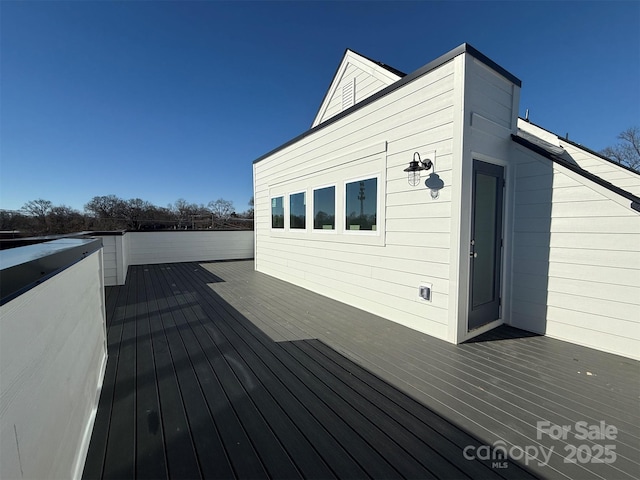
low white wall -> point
(52, 359)
(140, 248)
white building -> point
(510, 224)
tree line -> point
(109, 212)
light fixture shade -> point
(434, 183)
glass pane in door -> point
(484, 260)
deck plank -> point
(182, 461)
(151, 461)
(308, 411)
(217, 371)
(119, 458)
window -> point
(277, 212)
(297, 211)
(324, 208)
(361, 200)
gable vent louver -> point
(348, 94)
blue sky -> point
(168, 100)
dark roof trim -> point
(586, 149)
(395, 71)
(106, 233)
(635, 201)
(447, 57)
(491, 64)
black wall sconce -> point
(434, 183)
(415, 167)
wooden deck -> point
(216, 371)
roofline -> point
(586, 149)
(635, 201)
(395, 71)
(347, 50)
(441, 60)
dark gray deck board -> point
(216, 371)
(302, 387)
(385, 355)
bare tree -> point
(38, 209)
(108, 209)
(221, 208)
(135, 210)
(249, 213)
(64, 219)
(15, 220)
(184, 212)
(627, 152)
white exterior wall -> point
(116, 261)
(110, 260)
(52, 359)
(491, 107)
(576, 258)
(379, 272)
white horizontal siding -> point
(368, 78)
(576, 259)
(612, 173)
(608, 171)
(380, 277)
(173, 247)
(110, 260)
(489, 94)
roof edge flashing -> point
(576, 169)
(579, 145)
(549, 147)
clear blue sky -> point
(168, 100)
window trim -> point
(336, 223)
(284, 213)
(306, 212)
(360, 178)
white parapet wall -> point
(52, 357)
(139, 248)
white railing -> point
(139, 248)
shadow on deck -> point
(216, 371)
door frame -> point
(458, 329)
(498, 278)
